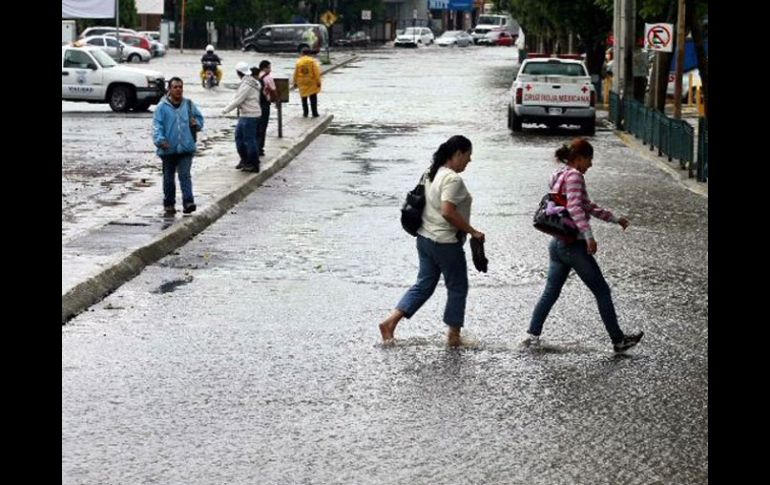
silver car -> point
(459, 38)
(112, 46)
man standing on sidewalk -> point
(174, 124)
(246, 99)
(307, 75)
(266, 96)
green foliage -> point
(349, 12)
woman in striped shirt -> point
(577, 254)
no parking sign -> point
(659, 37)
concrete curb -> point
(126, 267)
(680, 177)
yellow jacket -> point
(307, 75)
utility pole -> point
(679, 61)
(617, 35)
(624, 32)
(181, 42)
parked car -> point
(354, 39)
(158, 48)
(89, 75)
(497, 37)
(414, 36)
(552, 91)
(102, 30)
(133, 40)
(150, 34)
(111, 45)
(143, 42)
(459, 38)
(286, 38)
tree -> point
(552, 20)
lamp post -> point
(181, 42)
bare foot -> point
(386, 329)
(453, 337)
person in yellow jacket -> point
(307, 75)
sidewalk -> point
(96, 263)
(672, 168)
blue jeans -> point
(180, 163)
(437, 259)
(246, 140)
(565, 257)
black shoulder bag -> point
(194, 129)
(411, 211)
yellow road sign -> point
(328, 18)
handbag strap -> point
(560, 181)
(424, 177)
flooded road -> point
(252, 354)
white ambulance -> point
(552, 91)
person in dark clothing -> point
(210, 60)
(267, 95)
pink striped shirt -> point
(579, 206)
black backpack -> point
(411, 211)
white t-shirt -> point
(447, 186)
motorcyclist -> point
(211, 61)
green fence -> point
(702, 172)
(615, 110)
(673, 138)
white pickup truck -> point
(553, 92)
(88, 74)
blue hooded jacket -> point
(173, 125)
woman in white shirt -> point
(440, 239)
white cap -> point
(209, 48)
(243, 68)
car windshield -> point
(553, 69)
(451, 33)
(412, 31)
(490, 20)
(103, 59)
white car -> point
(150, 34)
(458, 38)
(552, 91)
(414, 36)
(92, 31)
(89, 75)
(110, 45)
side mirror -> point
(92, 66)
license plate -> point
(554, 111)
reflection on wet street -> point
(252, 355)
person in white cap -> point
(246, 99)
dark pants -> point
(313, 105)
(262, 127)
(177, 164)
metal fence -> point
(702, 172)
(615, 111)
(673, 138)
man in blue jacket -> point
(174, 127)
